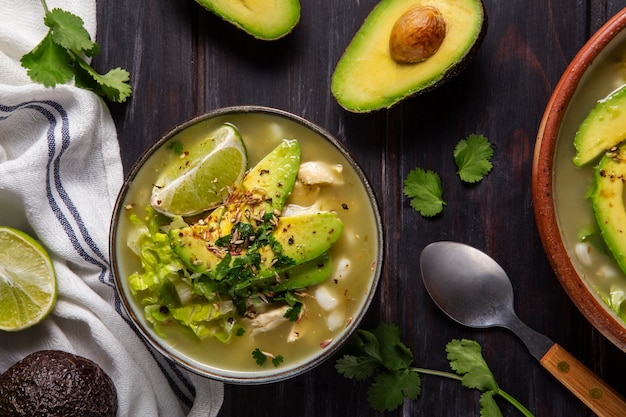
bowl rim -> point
(542, 184)
(245, 378)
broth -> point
(574, 213)
(350, 286)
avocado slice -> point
(263, 19)
(603, 128)
(608, 202)
(368, 77)
(305, 275)
(302, 237)
(273, 178)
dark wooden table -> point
(185, 61)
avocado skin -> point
(51, 383)
(387, 102)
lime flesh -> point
(201, 178)
(27, 281)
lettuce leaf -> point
(169, 292)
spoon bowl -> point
(474, 290)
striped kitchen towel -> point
(60, 172)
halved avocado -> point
(263, 19)
(368, 77)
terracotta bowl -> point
(356, 257)
(559, 188)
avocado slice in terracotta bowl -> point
(405, 48)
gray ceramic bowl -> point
(134, 197)
(559, 188)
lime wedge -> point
(28, 288)
(199, 180)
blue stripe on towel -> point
(68, 215)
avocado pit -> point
(417, 34)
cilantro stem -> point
(500, 392)
(45, 6)
(444, 374)
(515, 403)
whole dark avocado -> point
(52, 383)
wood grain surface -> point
(185, 61)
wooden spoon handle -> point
(586, 385)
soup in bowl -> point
(272, 272)
(563, 187)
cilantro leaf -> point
(394, 354)
(389, 389)
(259, 357)
(370, 345)
(113, 85)
(48, 63)
(69, 32)
(473, 158)
(466, 359)
(277, 360)
(356, 367)
(60, 57)
(293, 312)
(424, 190)
(488, 406)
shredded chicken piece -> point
(320, 173)
(268, 321)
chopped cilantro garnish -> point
(277, 360)
(260, 357)
(424, 190)
(239, 275)
(380, 354)
(61, 56)
(473, 158)
(176, 146)
(293, 313)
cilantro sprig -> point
(381, 355)
(472, 156)
(62, 56)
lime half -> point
(28, 288)
(201, 177)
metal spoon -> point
(471, 288)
